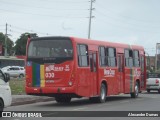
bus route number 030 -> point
(49, 75)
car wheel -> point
(21, 76)
(159, 91)
(1, 105)
(7, 76)
(148, 90)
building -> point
(152, 61)
(12, 61)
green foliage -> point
(20, 47)
(17, 86)
(9, 43)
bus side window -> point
(83, 58)
(128, 58)
(112, 57)
(102, 55)
(136, 58)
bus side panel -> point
(115, 82)
(128, 76)
(131, 76)
(112, 81)
(29, 74)
(83, 82)
(111, 78)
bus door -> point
(143, 74)
(93, 73)
(120, 62)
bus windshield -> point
(51, 49)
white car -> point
(5, 91)
(14, 71)
(153, 82)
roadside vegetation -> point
(17, 86)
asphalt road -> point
(145, 102)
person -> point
(62, 53)
(54, 53)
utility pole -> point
(90, 18)
(5, 52)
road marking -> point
(80, 108)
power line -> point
(18, 12)
(55, 1)
(26, 30)
(64, 1)
(125, 16)
(135, 27)
(19, 28)
(38, 7)
(124, 21)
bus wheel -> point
(102, 97)
(63, 99)
(136, 91)
(1, 105)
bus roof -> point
(106, 43)
(93, 42)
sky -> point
(124, 21)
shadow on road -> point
(85, 101)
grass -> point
(17, 86)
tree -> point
(9, 43)
(20, 47)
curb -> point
(21, 101)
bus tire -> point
(136, 91)
(102, 97)
(63, 99)
(1, 105)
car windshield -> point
(1, 75)
(5, 68)
(153, 75)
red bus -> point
(69, 67)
